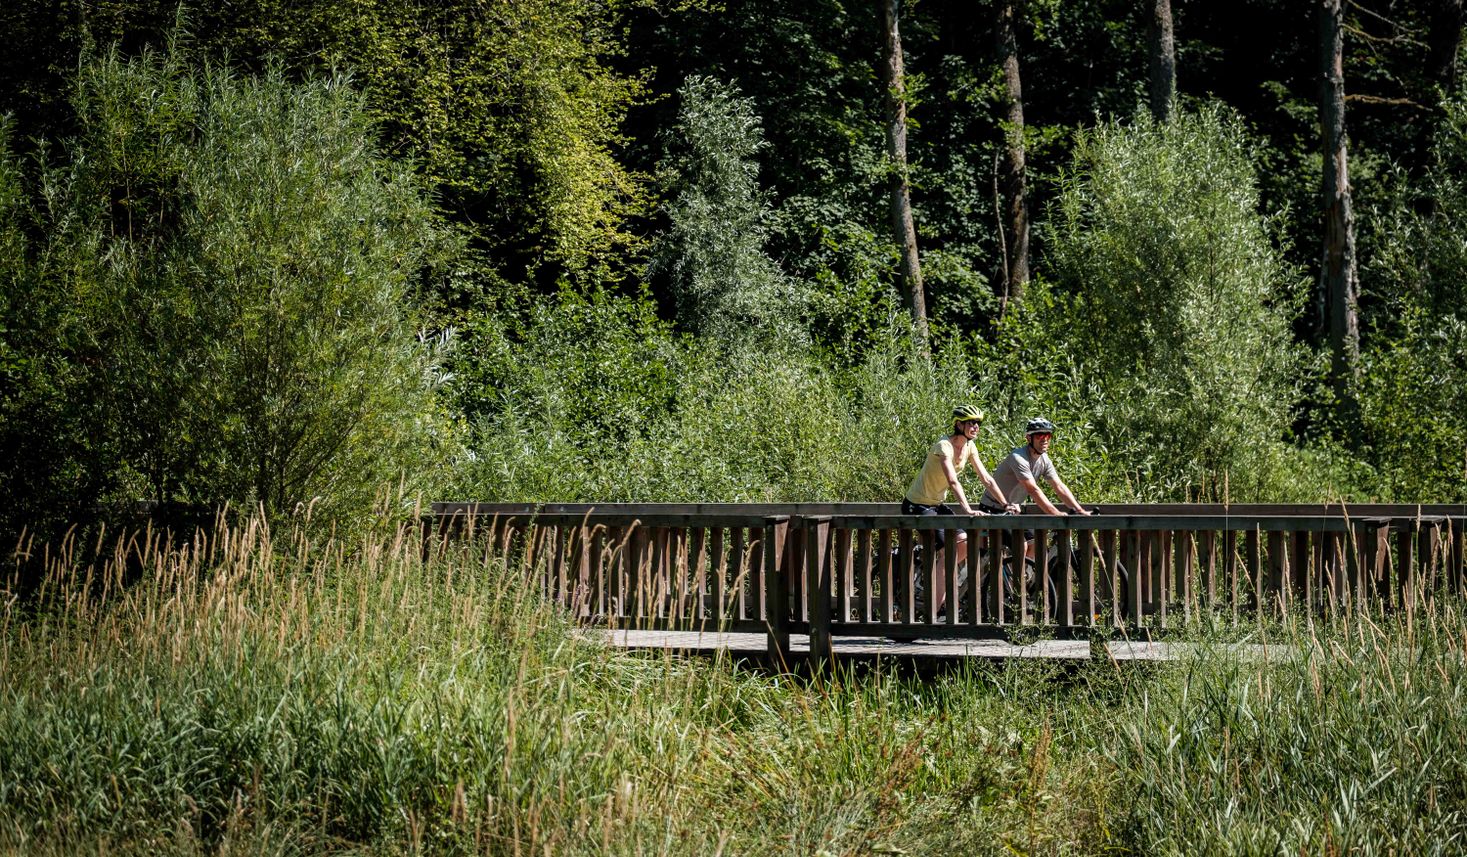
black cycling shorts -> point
(939, 536)
(999, 510)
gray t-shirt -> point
(1017, 467)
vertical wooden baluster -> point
(949, 572)
(698, 560)
(757, 548)
(1110, 566)
(738, 571)
(1379, 571)
(1425, 560)
(1229, 547)
(776, 598)
(1207, 564)
(905, 578)
(1253, 566)
(1135, 550)
(998, 539)
(1458, 533)
(972, 603)
(1161, 573)
(1141, 552)
(687, 580)
(1302, 569)
(845, 580)
(718, 562)
(660, 576)
(1042, 609)
(616, 600)
(1357, 561)
(636, 576)
(596, 600)
(585, 538)
(1278, 572)
(1406, 567)
(1186, 563)
(817, 585)
(929, 543)
(1066, 583)
(1087, 577)
(1334, 563)
(1021, 579)
(863, 573)
(884, 575)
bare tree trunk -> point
(1339, 282)
(1444, 39)
(1016, 209)
(900, 184)
(1163, 61)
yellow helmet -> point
(967, 413)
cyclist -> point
(1018, 475)
(939, 475)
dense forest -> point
(341, 257)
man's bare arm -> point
(1068, 496)
(1038, 497)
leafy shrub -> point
(225, 296)
(1412, 407)
(712, 255)
(1177, 304)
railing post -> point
(776, 595)
(1066, 583)
(817, 587)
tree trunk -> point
(900, 184)
(1015, 223)
(1444, 39)
(1339, 284)
(1163, 61)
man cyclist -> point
(939, 475)
(1018, 475)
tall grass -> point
(1351, 741)
(263, 692)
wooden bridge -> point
(862, 570)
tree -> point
(1015, 226)
(1163, 60)
(226, 299)
(512, 111)
(711, 258)
(1339, 285)
(1177, 305)
(899, 180)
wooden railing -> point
(864, 569)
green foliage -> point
(1177, 303)
(1412, 408)
(595, 399)
(1413, 404)
(223, 299)
(511, 110)
(712, 254)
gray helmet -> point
(1038, 426)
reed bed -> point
(257, 692)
